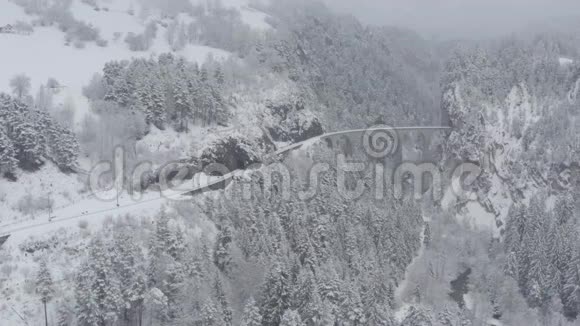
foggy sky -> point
(459, 18)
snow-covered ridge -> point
(502, 149)
(44, 54)
(251, 16)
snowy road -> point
(93, 210)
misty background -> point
(445, 19)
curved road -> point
(24, 226)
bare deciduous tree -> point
(20, 85)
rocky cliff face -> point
(520, 132)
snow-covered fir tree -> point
(98, 289)
(8, 161)
(251, 315)
(44, 286)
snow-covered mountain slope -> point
(509, 131)
(71, 226)
(250, 15)
(43, 53)
(502, 124)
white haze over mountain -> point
(460, 18)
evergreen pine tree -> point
(222, 255)
(117, 89)
(219, 76)
(63, 316)
(571, 298)
(564, 209)
(511, 266)
(275, 297)
(375, 302)
(182, 101)
(452, 317)
(127, 258)
(119, 92)
(160, 240)
(427, 235)
(313, 309)
(156, 104)
(98, 293)
(158, 249)
(63, 147)
(44, 287)
(417, 317)
(206, 103)
(176, 244)
(172, 285)
(209, 314)
(29, 145)
(352, 310)
(227, 313)
(291, 318)
(138, 291)
(151, 99)
(251, 316)
(8, 160)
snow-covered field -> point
(43, 55)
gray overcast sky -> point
(458, 18)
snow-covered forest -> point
(185, 162)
